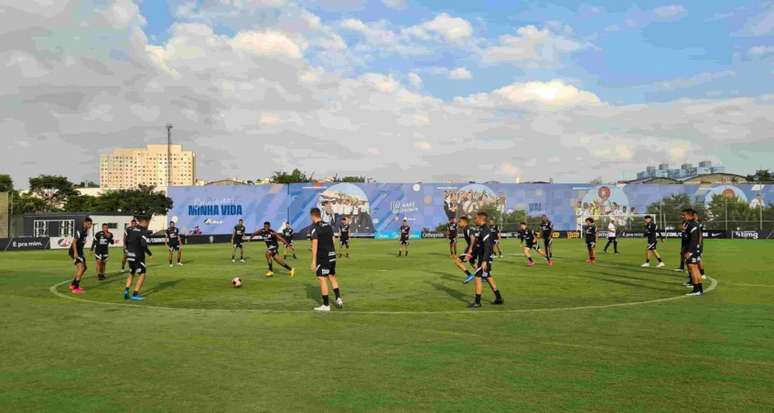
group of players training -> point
(482, 247)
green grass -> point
(404, 342)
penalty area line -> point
(54, 290)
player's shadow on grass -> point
(313, 292)
(458, 295)
(162, 286)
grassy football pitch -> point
(608, 337)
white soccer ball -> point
(237, 282)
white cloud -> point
(670, 11)
(269, 119)
(267, 43)
(415, 80)
(693, 81)
(380, 82)
(395, 4)
(534, 47)
(554, 93)
(460, 73)
(423, 145)
(760, 51)
(448, 28)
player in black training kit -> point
(652, 233)
(126, 231)
(324, 260)
(287, 233)
(452, 235)
(547, 233)
(462, 259)
(496, 236)
(172, 241)
(693, 250)
(272, 240)
(136, 250)
(76, 253)
(529, 242)
(100, 248)
(405, 232)
(683, 249)
(590, 237)
(237, 236)
(344, 236)
(482, 249)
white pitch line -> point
(713, 284)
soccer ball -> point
(237, 282)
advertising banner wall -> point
(377, 210)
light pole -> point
(169, 155)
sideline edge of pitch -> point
(713, 284)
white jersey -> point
(611, 228)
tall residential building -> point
(127, 168)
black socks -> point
(325, 300)
(336, 292)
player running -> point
(172, 241)
(547, 233)
(324, 260)
(100, 247)
(344, 236)
(482, 249)
(136, 250)
(451, 234)
(287, 233)
(590, 236)
(237, 236)
(529, 242)
(126, 231)
(612, 237)
(460, 261)
(495, 238)
(693, 253)
(652, 233)
(405, 232)
(272, 240)
(76, 253)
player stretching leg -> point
(136, 250)
(590, 236)
(496, 238)
(344, 236)
(236, 241)
(123, 260)
(272, 240)
(451, 234)
(462, 259)
(652, 232)
(483, 249)
(405, 231)
(172, 240)
(76, 253)
(693, 255)
(100, 248)
(547, 233)
(324, 260)
(529, 241)
(287, 233)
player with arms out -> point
(652, 233)
(137, 250)
(547, 233)
(344, 237)
(693, 250)
(287, 233)
(100, 248)
(482, 249)
(529, 242)
(496, 238)
(405, 233)
(237, 236)
(590, 236)
(272, 240)
(324, 260)
(451, 233)
(126, 231)
(460, 261)
(76, 253)
(172, 241)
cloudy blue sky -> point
(399, 90)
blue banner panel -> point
(209, 210)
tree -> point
(294, 177)
(669, 210)
(6, 183)
(761, 175)
(27, 204)
(731, 213)
(134, 201)
(87, 184)
(81, 203)
(351, 179)
(53, 190)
